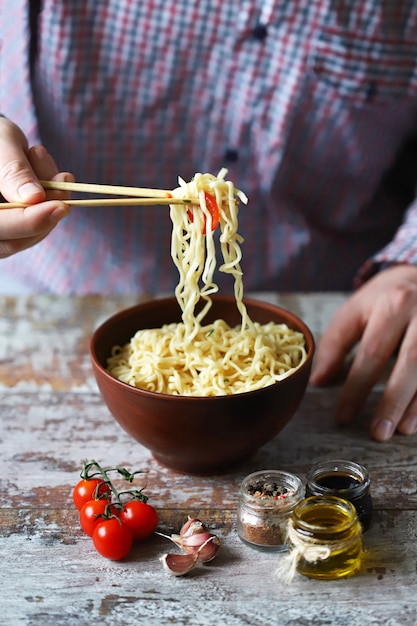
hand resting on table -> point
(381, 318)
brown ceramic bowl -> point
(198, 435)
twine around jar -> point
(308, 548)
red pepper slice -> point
(213, 209)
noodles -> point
(190, 358)
(188, 243)
(222, 360)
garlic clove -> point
(208, 550)
(193, 526)
(178, 564)
(196, 541)
(192, 543)
(204, 545)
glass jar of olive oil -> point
(325, 537)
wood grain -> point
(52, 417)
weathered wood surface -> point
(52, 417)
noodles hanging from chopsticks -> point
(190, 358)
(194, 253)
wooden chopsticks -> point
(137, 196)
(109, 202)
(141, 192)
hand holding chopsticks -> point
(139, 196)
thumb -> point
(18, 182)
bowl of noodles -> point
(203, 380)
(203, 434)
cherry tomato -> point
(140, 517)
(85, 490)
(91, 514)
(213, 209)
(112, 539)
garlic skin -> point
(209, 549)
(193, 526)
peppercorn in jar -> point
(266, 500)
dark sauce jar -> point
(343, 479)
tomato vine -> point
(114, 519)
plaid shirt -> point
(310, 104)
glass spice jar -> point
(325, 537)
(344, 479)
(266, 500)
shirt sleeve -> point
(401, 250)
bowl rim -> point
(310, 341)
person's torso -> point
(307, 103)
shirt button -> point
(260, 32)
(231, 155)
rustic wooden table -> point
(52, 418)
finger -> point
(408, 423)
(397, 408)
(19, 227)
(18, 181)
(13, 246)
(336, 342)
(380, 338)
(65, 177)
(44, 165)
(46, 169)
